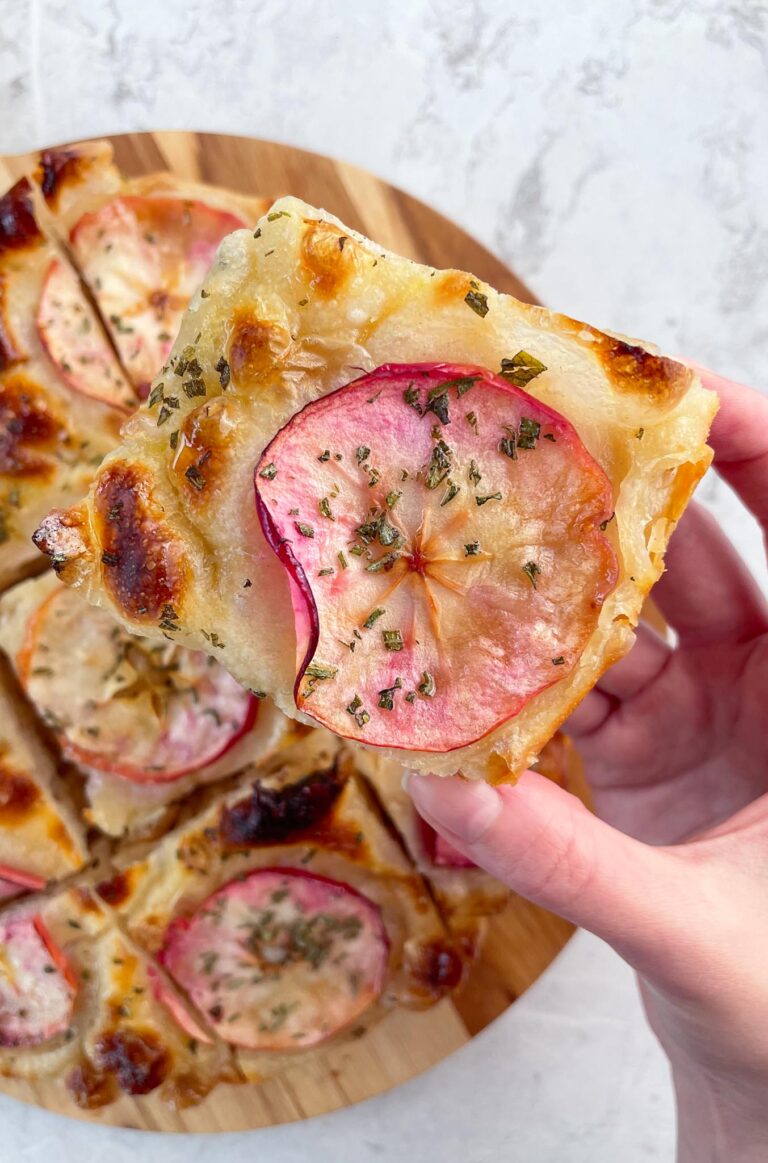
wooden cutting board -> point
(521, 941)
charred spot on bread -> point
(30, 431)
(143, 563)
(18, 225)
(59, 167)
(328, 257)
(19, 795)
(272, 814)
(437, 967)
(201, 453)
(90, 1088)
(116, 890)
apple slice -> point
(15, 882)
(73, 337)
(280, 960)
(143, 258)
(148, 711)
(441, 530)
(37, 988)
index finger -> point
(739, 438)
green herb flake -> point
(196, 478)
(478, 302)
(355, 705)
(156, 395)
(303, 302)
(393, 639)
(560, 661)
(412, 398)
(490, 497)
(326, 572)
(531, 571)
(640, 433)
(304, 529)
(508, 444)
(521, 369)
(471, 419)
(387, 699)
(194, 388)
(222, 367)
(528, 433)
(324, 456)
(471, 549)
(452, 491)
(275, 214)
(362, 452)
(383, 564)
(321, 670)
(270, 472)
(342, 560)
(393, 497)
(373, 617)
(173, 440)
(437, 402)
(474, 473)
(324, 506)
(427, 685)
(410, 697)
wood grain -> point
(523, 940)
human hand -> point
(675, 873)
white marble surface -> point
(616, 153)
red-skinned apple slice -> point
(143, 258)
(441, 530)
(15, 882)
(280, 960)
(73, 337)
(150, 712)
(37, 988)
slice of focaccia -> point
(410, 508)
(57, 419)
(145, 722)
(41, 838)
(142, 245)
(287, 912)
(79, 1001)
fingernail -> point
(466, 809)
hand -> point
(674, 874)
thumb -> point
(547, 846)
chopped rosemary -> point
(156, 395)
(342, 560)
(531, 571)
(275, 214)
(471, 419)
(508, 444)
(194, 388)
(521, 369)
(222, 367)
(560, 661)
(373, 617)
(528, 433)
(362, 453)
(355, 705)
(321, 670)
(387, 696)
(412, 398)
(478, 302)
(410, 697)
(474, 473)
(383, 564)
(393, 497)
(270, 472)
(437, 402)
(195, 477)
(451, 492)
(393, 639)
(489, 497)
(324, 506)
(471, 549)
(325, 572)
(304, 529)
(427, 685)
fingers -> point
(544, 844)
(707, 594)
(644, 663)
(590, 715)
(740, 439)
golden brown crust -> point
(144, 565)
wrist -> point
(719, 1120)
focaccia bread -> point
(257, 503)
(80, 1002)
(144, 722)
(52, 435)
(41, 837)
(287, 912)
(142, 245)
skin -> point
(673, 869)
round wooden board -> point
(523, 939)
